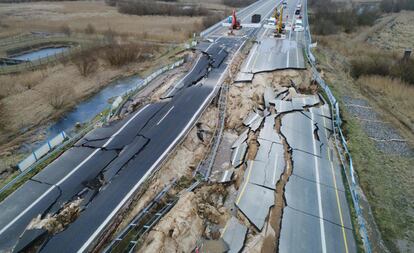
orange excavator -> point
(235, 24)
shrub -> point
(396, 5)
(59, 95)
(90, 29)
(86, 64)
(238, 3)
(147, 7)
(111, 2)
(119, 55)
(330, 17)
(383, 64)
(210, 20)
(109, 36)
(65, 29)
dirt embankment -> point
(181, 229)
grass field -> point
(77, 15)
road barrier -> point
(353, 185)
(42, 151)
(120, 101)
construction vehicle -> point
(235, 24)
(279, 23)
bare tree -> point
(59, 95)
(86, 64)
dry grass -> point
(29, 108)
(14, 84)
(396, 35)
(78, 15)
(391, 93)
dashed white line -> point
(165, 115)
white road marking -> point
(321, 224)
(68, 175)
(225, 175)
(233, 161)
(275, 169)
(198, 59)
(165, 115)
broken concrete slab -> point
(234, 235)
(263, 151)
(268, 131)
(254, 202)
(321, 121)
(308, 100)
(281, 93)
(256, 124)
(323, 110)
(283, 106)
(244, 77)
(242, 138)
(214, 246)
(226, 176)
(269, 96)
(238, 154)
(251, 117)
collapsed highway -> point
(293, 177)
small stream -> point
(88, 109)
(40, 53)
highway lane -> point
(109, 164)
(316, 217)
(277, 53)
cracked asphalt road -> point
(108, 165)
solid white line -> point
(225, 175)
(68, 175)
(274, 172)
(128, 196)
(165, 115)
(198, 59)
(235, 154)
(321, 224)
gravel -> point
(386, 138)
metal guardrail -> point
(45, 158)
(42, 151)
(128, 239)
(119, 101)
(353, 185)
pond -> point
(39, 54)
